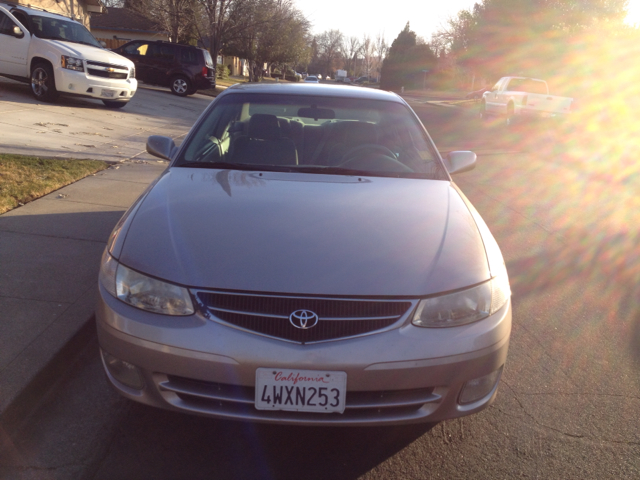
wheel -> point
(180, 86)
(511, 119)
(43, 83)
(192, 90)
(112, 104)
(483, 111)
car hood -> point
(88, 52)
(305, 234)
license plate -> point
(108, 93)
(300, 390)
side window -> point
(188, 55)
(22, 18)
(166, 52)
(496, 87)
(134, 48)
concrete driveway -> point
(75, 127)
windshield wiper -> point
(235, 166)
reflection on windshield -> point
(313, 135)
(66, 30)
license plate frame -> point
(107, 93)
(314, 391)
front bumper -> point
(400, 376)
(79, 83)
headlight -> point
(132, 73)
(72, 63)
(466, 306)
(143, 292)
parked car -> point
(361, 80)
(341, 75)
(311, 79)
(57, 54)
(515, 98)
(305, 259)
(183, 68)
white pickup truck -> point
(56, 54)
(341, 76)
(522, 97)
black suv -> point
(185, 69)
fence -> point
(112, 42)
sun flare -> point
(633, 13)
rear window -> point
(527, 85)
(207, 58)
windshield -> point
(60, 29)
(312, 134)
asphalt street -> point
(570, 394)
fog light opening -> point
(123, 372)
(478, 388)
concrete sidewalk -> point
(49, 259)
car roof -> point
(175, 44)
(322, 90)
(37, 11)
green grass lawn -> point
(23, 179)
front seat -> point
(264, 144)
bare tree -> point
(175, 16)
(380, 49)
(329, 49)
(350, 50)
(275, 33)
(368, 52)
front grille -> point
(105, 74)
(107, 70)
(106, 65)
(269, 315)
(238, 402)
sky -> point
(356, 18)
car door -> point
(161, 58)
(137, 52)
(492, 97)
(14, 48)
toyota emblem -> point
(303, 319)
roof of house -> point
(124, 19)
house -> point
(119, 25)
(81, 10)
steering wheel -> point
(367, 148)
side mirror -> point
(17, 32)
(161, 147)
(103, 43)
(462, 161)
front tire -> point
(112, 104)
(483, 111)
(43, 83)
(511, 117)
(180, 86)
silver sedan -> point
(305, 259)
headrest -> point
(264, 127)
(360, 133)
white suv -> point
(56, 54)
